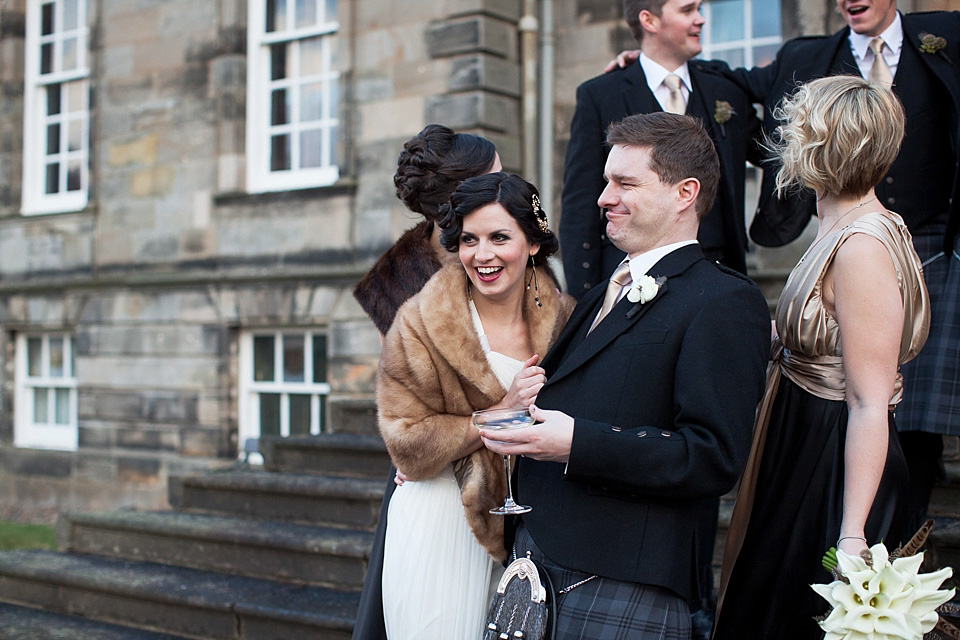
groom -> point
(648, 409)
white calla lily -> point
(886, 601)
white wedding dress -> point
(437, 579)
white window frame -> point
(259, 131)
(747, 43)
(34, 199)
(27, 433)
(250, 389)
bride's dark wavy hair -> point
(510, 191)
(434, 162)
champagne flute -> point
(499, 419)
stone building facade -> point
(189, 190)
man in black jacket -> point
(669, 35)
(647, 413)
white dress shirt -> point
(863, 54)
(655, 73)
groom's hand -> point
(550, 439)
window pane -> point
(74, 135)
(53, 178)
(331, 11)
(766, 19)
(56, 357)
(46, 58)
(733, 57)
(311, 56)
(319, 357)
(69, 54)
(279, 107)
(323, 412)
(299, 414)
(332, 141)
(276, 15)
(764, 55)
(62, 411)
(40, 414)
(46, 19)
(726, 20)
(34, 355)
(76, 96)
(311, 147)
(74, 178)
(263, 366)
(70, 14)
(269, 414)
(293, 350)
(53, 99)
(280, 153)
(311, 102)
(278, 61)
(53, 139)
(306, 12)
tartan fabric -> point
(610, 609)
(931, 382)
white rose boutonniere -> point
(645, 289)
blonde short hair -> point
(839, 136)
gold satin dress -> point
(789, 506)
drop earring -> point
(536, 284)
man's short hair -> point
(679, 149)
(631, 12)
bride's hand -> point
(400, 478)
(526, 385)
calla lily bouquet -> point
(883, 596)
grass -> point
(14, 535)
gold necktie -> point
(675, 102)
(619, 279)
(880, 71)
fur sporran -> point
(523, 606)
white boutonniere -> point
(645, 289)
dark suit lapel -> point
(940, 64)
(636, 92)
(625, 314)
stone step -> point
(187, 602)
(291, 497)
(945, 499)
(943, 547)
(335, 454)
(258, 548)
(24, 623)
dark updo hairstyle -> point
(434, 162)
(514, 194)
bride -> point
(469, 340)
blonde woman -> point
(826, 467)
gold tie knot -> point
(619, 279)
(675, 101)
(880, 71)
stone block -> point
(358, 338)
(353, 375)
(206, 443)
(36, 462)
(148, 439)
(99, 468)
(506, 9)
(476, 109)
(590, 11)
(484, 72)
(353, 415)
(509, 148)
(138, 470)
(471, 35)
(94, 437)
(389, 119)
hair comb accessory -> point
(539, 214)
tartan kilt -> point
(609, 609)
(931, 381)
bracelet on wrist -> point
(842, 538)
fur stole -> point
(398, 275)
(433, 374)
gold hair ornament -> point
(539, 214)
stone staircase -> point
(245, 554)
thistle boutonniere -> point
(643, 291)
(722, 112)
(933, 45)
